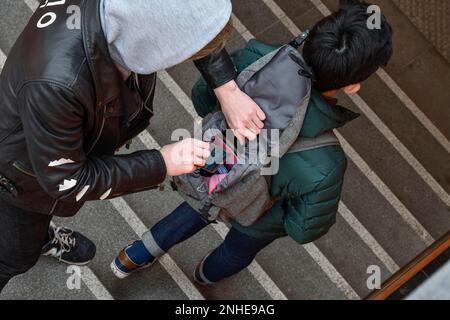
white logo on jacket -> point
(60, 162)
(67, 185)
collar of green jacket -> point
(322, 116)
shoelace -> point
(64, 238)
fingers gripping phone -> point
(218, 157)
(221, 160)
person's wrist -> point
(164, 155)
(228, 88)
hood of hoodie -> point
(323, 116)
(145, 36)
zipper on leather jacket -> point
(16, 128)
(100, 132)
(31, 174)
(143, 105)
(160, 186)
(23, 170)
(152, 90)
(52, 210)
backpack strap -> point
(304, 144)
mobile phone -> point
(211, 166)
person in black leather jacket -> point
(66, 107)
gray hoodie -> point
(145, 36)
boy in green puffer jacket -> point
(309, 182)
(342, 53)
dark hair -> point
(342, 49)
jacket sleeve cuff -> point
(159, 169)
(217, 69)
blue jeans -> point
(235, 253)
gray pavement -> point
(338, 268)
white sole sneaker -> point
(122, 275)
(117, 272)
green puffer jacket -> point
(309, 183)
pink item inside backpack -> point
(214, 181)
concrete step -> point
(378, 216)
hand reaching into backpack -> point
(243, 115)
(185, 156)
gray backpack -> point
(280, 83)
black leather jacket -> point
(65, 110)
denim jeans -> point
(22, 236)
(235, 253)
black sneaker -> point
(68, 246)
